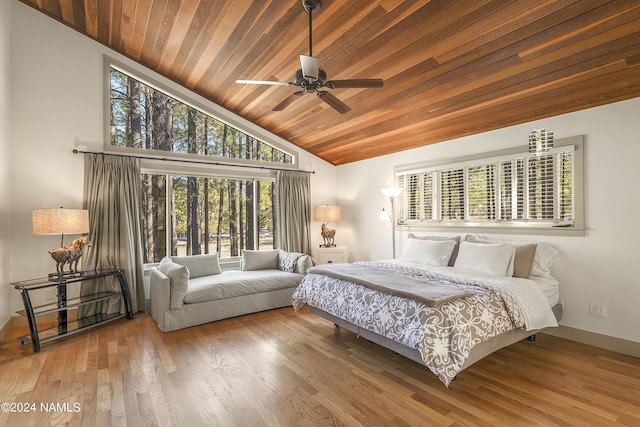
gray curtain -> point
(293, 196)
(112, 189)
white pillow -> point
(200, 265)
(178, 281)
(542, 260)
(545, 254)
(490, 258)
(259, 260)
(430, 252)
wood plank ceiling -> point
(451, 68)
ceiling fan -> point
(311, 78)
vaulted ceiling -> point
(450, 68)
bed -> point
(445, 303)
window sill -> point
(496, 228)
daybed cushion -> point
(236, 283)
(259, 260)
(179, 283)
(199, 265)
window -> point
(218, 206)
(190, 215)
(506, 189)
(143, 117)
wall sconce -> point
(327, 214)
(391, 193)
(63, 221)
(540, 141)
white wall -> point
(56, 102)
(5, 290)
(600, 267)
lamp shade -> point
(326, 213)
(391, 192)
(60, 221)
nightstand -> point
(329, 255)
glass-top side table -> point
(64, 304)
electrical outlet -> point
(598, 310)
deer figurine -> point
(70, 254)
(328, 235)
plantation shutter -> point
(481, 184)
(514, 188)
(452, 195)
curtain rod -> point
(202, 162)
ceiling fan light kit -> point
(310, 67)
(311, 78)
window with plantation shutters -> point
(510, 188)
(540, 188)
(481, 187)
(427, 193)
(416, 201)
(452, 203)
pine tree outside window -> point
(216, 206)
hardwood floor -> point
(281, 368)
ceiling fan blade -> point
(310, 67)
(334, 102)
(288, 100)
(264, 82)
(355, 83)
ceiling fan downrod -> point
(311, 6)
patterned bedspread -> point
(445, 335)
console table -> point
(65, 327)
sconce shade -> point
(391, 192)
(326, 213)
(60, 221)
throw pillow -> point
(304, 262)
(200, 265)
(259, 260)
(287, 261)
(178, 281)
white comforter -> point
(444, 336)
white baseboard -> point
(607, 342)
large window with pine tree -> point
(214, 207)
